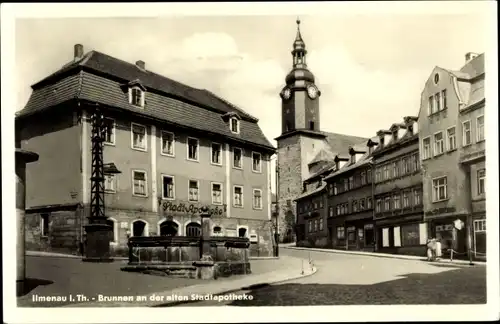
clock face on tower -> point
(312, 91)
(287, 93)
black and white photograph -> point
(252, 162)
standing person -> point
(431, 249)
(438, 249)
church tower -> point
(301, 138)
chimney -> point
(141, 64)
(78, 51)
(470, 56)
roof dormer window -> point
(136, 96)
(234, 123)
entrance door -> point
(369, 235)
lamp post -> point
(97, 230)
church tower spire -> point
(299, 49)
(300, 96)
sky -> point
(370, 68)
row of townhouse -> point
(177, 148)
(418, 179)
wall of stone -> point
(63, 232)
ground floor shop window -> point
(410, 235)
(444, 233)
(480, 237)
(340, 233)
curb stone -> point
(390, 256)
(61, 255)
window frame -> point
(212, 153)
(261, 199)
(146, 189)
(162, 152)
(424, 157)
(448, 146)
(237, 125)
(198, 190)
(463, 133)
(44, 223)
(197, 149)
(241, 158)
(442, 141)
(163, 176)
(477, 129)
(113, 190)
(221, 193)
(113, 143)
(340, 229)
(145, 149)
(260, 162)
(481, 179)
(436, 199)
(131, 96)
(242, 196)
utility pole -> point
(97, 242)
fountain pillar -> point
(206, 265)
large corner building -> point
(178, 148)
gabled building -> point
(304, 151)
(178, 148)
(397, 190)
(350, 201)
(452, 142)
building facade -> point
(350, 201)
(452, 144)
(304, 151)
(397, 191)
(178, 148)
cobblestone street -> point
(363, 280)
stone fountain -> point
(204, 257)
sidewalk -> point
(292, 246)
(292, 268)
(61, 255)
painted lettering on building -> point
(186, 208)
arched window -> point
(242, 232)
(139, 228)
(111, 223)
(193, 229)
(169, 228)
(311, 125)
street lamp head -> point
(110, 168)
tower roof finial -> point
(299, 36)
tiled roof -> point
(310, 193)
(337, 144)
(341, 142)
(99, 78)
(363, 160)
